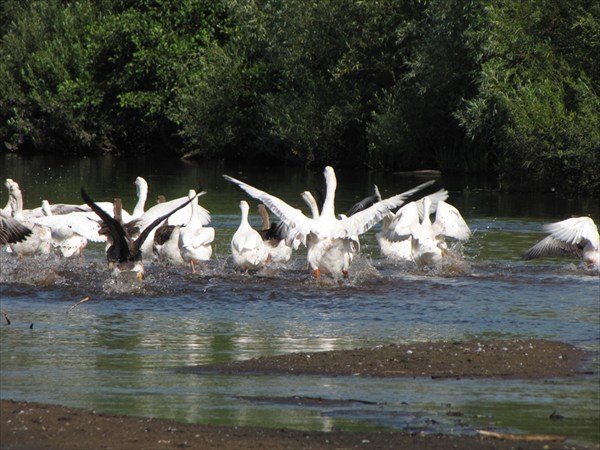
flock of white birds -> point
(178, 231)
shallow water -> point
(118, 352)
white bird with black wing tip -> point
(329, 240)
(576, 237)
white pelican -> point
(123, 252)
(428, 246)
(38, 242)
(395, 237)
(56, 209)
(83, 223)
(247, 246)
(577, 236)
(328, 239)
(195, 240)
(275, 236)
(65, 239)
(15, 200)
(351, 244)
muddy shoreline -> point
(27, 425)
(531, 358)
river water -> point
(119, 351)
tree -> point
(538, 101)
(141, 55)
(44, 103)
(509, 88)
(414, 124)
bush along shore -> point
(507, 89)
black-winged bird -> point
(123, 251)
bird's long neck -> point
(426, 209)
(194, 206)
(46, 208)
(312, 204)
(16, 202)
(245, 220)
(142, 194)
(329, 202)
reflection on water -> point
(118, 351)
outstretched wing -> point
(86, 224)
(135, 247)
(292, 217)
(576, 230)
(550, 246)
(449, 222)
(364, 220)
(365, 203)
(434, 198)
(567, 237)
(404, 222)
(11, 230)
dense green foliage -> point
(509, 88)
(538, 87)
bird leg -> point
(317, 273)
(344, 273)
(193, 266)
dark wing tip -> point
(12, 231)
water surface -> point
(119, 351)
